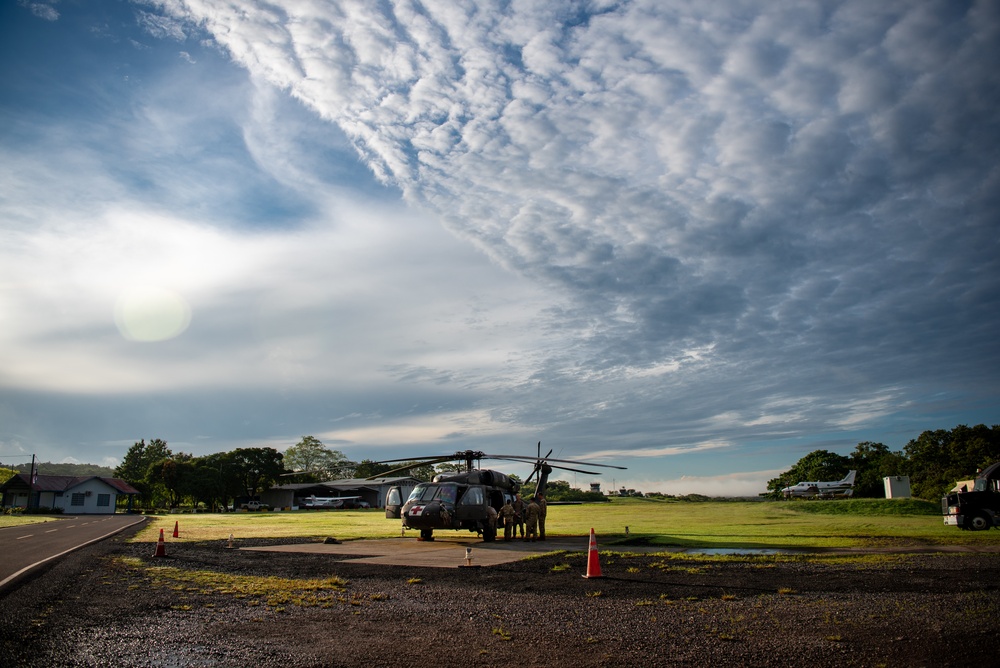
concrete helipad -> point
(442, 552)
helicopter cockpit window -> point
(473, 497)
(422, 493)
(426, 493)
(447, 494)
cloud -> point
(686, 171)
(748, 484)
(41, 10)
(161, 27)
(728, 224)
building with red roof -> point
(74, 495)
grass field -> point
(16, 520)
(757, 525)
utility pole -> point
(31, 483)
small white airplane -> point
(327, 502)
(822, 490)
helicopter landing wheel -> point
(427, 534)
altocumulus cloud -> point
(802, 193)
(763, 227)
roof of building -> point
(64, 483)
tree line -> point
(934, 462)
(166, 479)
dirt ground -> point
(204, 605)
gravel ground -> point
(104, 605)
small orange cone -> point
(593, 563)
(176, 534)
(161, 547)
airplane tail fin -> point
(849, 478)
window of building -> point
(103, 500)
(78, 499)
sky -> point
(698, 242)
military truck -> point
(975, 509)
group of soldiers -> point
(527, 518)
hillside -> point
(50, 468)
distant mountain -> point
(49, 468)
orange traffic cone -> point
(176, 534)
(593, 563)
(161, 547)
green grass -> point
(260, 590)
(306, 524)
(18, 520)
(869, 507)
(731, 524)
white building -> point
(73, 495)
(897, 486)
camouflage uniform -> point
(507, 515)
(491, 518)
(532, 515)
(518, 516)
(541, 516)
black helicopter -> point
(461, 500)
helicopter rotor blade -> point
(566, 468)
(412, 465)
(522, 458)
(531, 475)
(415, 459)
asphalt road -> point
(27, 546)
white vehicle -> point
(254, 505)
(822, 489)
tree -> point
(368, 468)
(219, 479)
(421, 471)
(316, 461)
(138, 458)
(172, 476)
(874, 462)
(817, 465)
(940, 458)
(556, 487)
(256, 468)
(201, 484)
(135, 465)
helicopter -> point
(457, 501)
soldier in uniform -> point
(541, 516)
(532, 517)
(507, 517)
(518, 516)
(491, 518)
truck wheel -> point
(977, 522)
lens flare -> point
(151, 314)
